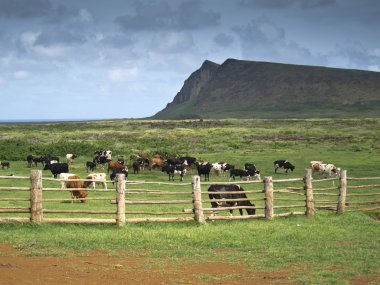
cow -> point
(70, 157)
(78, 194)
(57, 168)
(144, 162)
(90, 166)
(100, 160)
(115, 165)
(106, 153)
(120, 159)
(118, 171)
(204, 168)
(217, 168)
(190, 160)
(63, 178)
(38, 159)
(5, 164)
(172, 170)
(283, 164)
(98, 178)
(324, 168)
(216, 193)
(50, 159)
(136, 165)
(157, 162)
(29, 160)
(239, 172)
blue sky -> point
(81, 59)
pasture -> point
(324, 249)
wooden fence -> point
(298, 196)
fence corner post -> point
(120, 199)
(197, 200)
(268, 189)
(342, 192)
(310, 210)
(36, 196)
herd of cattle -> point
(171, 166)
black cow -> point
(29, 159)
(5, 164)
(190, 160)
(216, 192)
(239, 172)
(90, 166)
(118, 171)
(204, 168)
(50, 159)
(172, 169)
(283, 164)
(57, 168)
(144, 162)
(136, 165)
(101, 160)
(38, 159)
(120, 159)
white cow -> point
(99, 178)
(70, 157)
(63, 178)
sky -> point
(109, 59)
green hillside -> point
(248, 89)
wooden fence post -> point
(36, 196)
(342, 192)
(120, 199)
(268, 189)
(197, 200)
(309, 192)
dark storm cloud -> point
(223, 40)
(281, 4)
(160, 15)
(24, 8)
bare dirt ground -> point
(98, 267)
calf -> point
(221, 195)
(29, 160)
(78, 194)
(283, 164)
(57, 168)
(90, 166)
(4, 164)
(99, 178)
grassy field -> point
(324, 249)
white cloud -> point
(123, 74)
(374, 68)
(21, 74)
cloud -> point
(34, 42)
(172, 42)
(281, 4)
(24, 8)
(160, 16)
(21, 74)
(123, 74)
(261, 39)
(223, 40)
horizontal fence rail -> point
(166, 205)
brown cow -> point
(116, 165)
(79, 194)
(157, 161)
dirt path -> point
(97, 267)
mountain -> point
(250, 89)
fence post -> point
(36, 196)
(268, 189)
(120, 199)
(342, 192)
(197, 200)
(309, 192)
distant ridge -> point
(250, 89)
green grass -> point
(323, 249)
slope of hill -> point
(249, 89)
